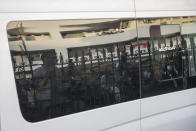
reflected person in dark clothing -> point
(78, 94)
(47, 81)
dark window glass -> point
(167, 47)
(86, 64)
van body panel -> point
(182, 119)
(166, 5)
(126, 126)
(167, 102)
(66, 6)
(173, 111)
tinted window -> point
(167, 47)
(85, 64)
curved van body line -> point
(173, 101)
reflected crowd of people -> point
(55, 91)
(57, 88)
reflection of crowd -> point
(55, 91)
(166, 74)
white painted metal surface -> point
(165, 5)
(167, 102)
(182, 119)
(66, 5)
(172, 112)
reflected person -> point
(47, 80)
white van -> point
(98, 65)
